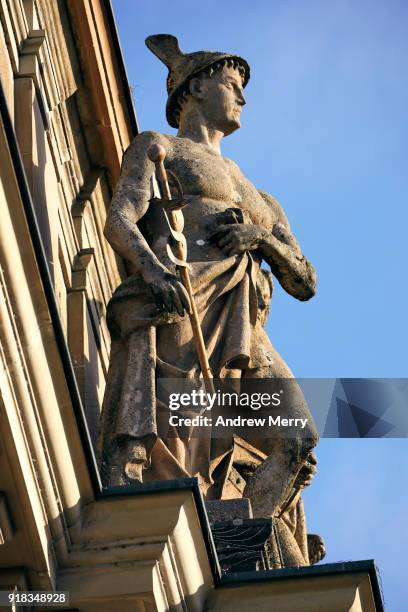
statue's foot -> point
(134, 471)
(118, 478)
(136, 459)
(125, 477)
(126, 462)
(316, 548)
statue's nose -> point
(240, 99)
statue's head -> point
(211, 80)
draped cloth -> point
(226, 298)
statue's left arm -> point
(282, 252)
(278, 247)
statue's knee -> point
(311, 435)
(308, 441)
(301, 446)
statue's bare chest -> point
(200, 171)
(218, 184)
(203, 172)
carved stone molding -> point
(81, 263)
(30, 66)
(6, 524)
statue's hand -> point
(237, 238)
(168, 293)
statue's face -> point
(221, 99)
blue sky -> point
(325, 130)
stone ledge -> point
(141, 545)
(353, 586)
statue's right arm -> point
(129, 203)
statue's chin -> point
(232, 125)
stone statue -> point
(231, 227)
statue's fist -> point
(237, 238)
(168, 293)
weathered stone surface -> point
(228, 510)
(230, 228)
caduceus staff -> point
(172, 211)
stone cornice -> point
(104, 79)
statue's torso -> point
(219, 183)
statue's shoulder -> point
(274, 205)
(142, 142)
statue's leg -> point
(287, 449)
(128, 428)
